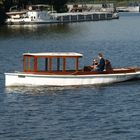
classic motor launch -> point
(62, 69)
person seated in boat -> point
(91, 67)
(94, 65)
(108, 65)
(101, 64)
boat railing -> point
(82, 72)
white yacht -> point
(34, 15)
(133, 7)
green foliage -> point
(59, 5)
(2, 15)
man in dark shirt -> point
(101, 65)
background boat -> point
(132, 7)
(40, 14)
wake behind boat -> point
(52, 69)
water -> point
(109, 112)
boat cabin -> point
(60, 63)
(50, 62)
(39, 7)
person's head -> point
(107, 61)
(100, 55)
(95, 61)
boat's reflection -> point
(52, 89)
(38, 90)
(32, 30)
(38, 27)
(48, 89)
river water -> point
(108, 112)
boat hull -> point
(129, 9)
(20, 79)
(60, 17)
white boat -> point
(40, 14)
(134, 9)
(51, 69)
(35, 14)
(130, 8)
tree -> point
(58, 5)
(2, 14)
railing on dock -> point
(79, 17)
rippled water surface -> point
(107, 112)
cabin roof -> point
(17, 13)
(39, 5)
(54, 54)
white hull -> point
(31, 17)
(129, 9)
(133, 9)
(20, 79)
(44, 17)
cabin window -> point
(29, 64)
(70, 64)
(53, 64)
(40, 64)
(46, 64)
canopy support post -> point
(24, 63)
(50, 64)
(64, 64)
(46, 64)
(58, 64)
(35, 64)
(76, 64)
